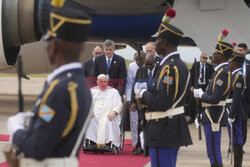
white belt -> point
(215, 126)
(221, 103)
(169, 113)
(229, 100)
(49, 162)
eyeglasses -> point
(98, 53)
(205, 58)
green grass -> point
(128, 62)
(30, 76)
(7, 75)
(189, 65)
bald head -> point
(97, 51)
(150, 61)
(150, 48)
(140, 60)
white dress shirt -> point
(204, 78)
(132, 68)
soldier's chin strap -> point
(79, 139)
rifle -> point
(9, 149)
(230, 153)
(20, 73)
(198, 104)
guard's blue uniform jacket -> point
(238, 87)
(236, 110)
(218, 90)
(59, 114)
(168, 86)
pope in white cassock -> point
(104, 126)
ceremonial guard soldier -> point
(214, 100)
(166, 128)
(236, 109)
(62, 108)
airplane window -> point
(247, 3)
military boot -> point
(238, 155)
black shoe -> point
(138, 151)
(190, 121)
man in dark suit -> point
(88, 65)
(62, 108)
(144, 74)
(201, 73)
(112, 65)
(150, 50)
(242, 48)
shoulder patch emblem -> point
(238, 85)
(219, 82)
(240, 72)
(168, 80)
(46, 113)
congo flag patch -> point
(219, 82)
(238, 85)
(168, 80)
(46, 113)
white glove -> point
(230, 121)
(197, 123)
(198, 92)
(139, 86)
(17, 122)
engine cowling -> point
(21, 22)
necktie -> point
(202, 73)
(150, 78)
(108, 64)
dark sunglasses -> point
(204, 58)
(98, 53)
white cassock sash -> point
(101, 132)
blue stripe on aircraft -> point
(125, 28)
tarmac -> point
(191, 156)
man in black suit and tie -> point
(203, 71)
(143, 74)
(112, 65)
(88, 65)
(150, 50)
(242, 48)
